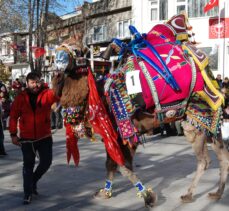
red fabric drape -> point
(101, 122)
(71, 145)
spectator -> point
(225, 83)
(2, 148)
(5, 104)
(56, 116)
(219, 81)
(31, 108)
(44, 84)
(225, 125)
(17, 86)
(179, 128)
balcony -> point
(7, 59)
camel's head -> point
(69, 60)
(71, 73)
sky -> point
(68, 6)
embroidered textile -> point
(163, 40)
(205, 117)
(123, 109)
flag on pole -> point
(211, 4)
(38, 51)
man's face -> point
(34, 85)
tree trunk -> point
(31, 8)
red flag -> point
(211, 4)
(218, 29)
(38, 51)
(101, 122)
(14, 46)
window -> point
(181, 6)
(158, 9)
(196, 9)
(163, 14)
(153, 8)
(213, 58)
(123, 29)
(153, 14)
(99, 33)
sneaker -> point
(27, 199)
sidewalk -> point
(167, 165)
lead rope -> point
(34, 141)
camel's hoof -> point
(150, 198)
(103, 194)
(214, 195)
(187, 198)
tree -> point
(34, 17)
(4, 73)
(12, 16)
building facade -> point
(13, 53)
(104, 20)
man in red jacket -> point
(31, 109)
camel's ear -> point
(85, 50)
(107, 53)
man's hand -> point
(15, 140)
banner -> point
(210, 5)
(218, 29)
(38, 51)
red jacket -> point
(32, 124)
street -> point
(165, 164)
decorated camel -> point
(162, 78)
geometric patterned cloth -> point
(122, 108)
(206, 118)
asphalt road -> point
(165, 164)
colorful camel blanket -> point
(162, 38)
(205, 118)
(178, 58)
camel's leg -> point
(149, 196)
(199, 145)
(223, 157)
(111, 168)
(106, 192)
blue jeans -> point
(29, 151)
